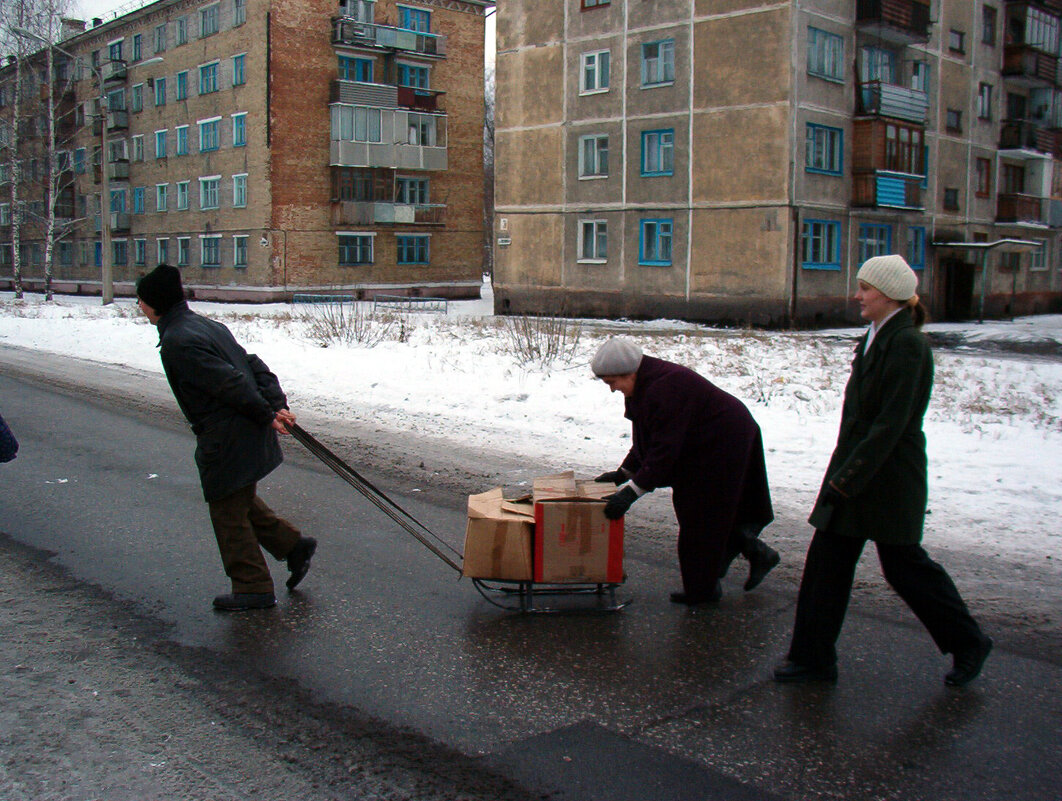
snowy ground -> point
(994, 425)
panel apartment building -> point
(737, 160)
(266, 147)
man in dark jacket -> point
(236, 408)
(702, 442)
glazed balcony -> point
(349, 31)
(1027, 66)
(889, 100)
(392, 138)
(1015, 208)
(349, 212)
(887, 190)
(901, 22)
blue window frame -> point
(820, 244)
(824, 151)
(413, 249)
(654, 242)
(138, 46)
(239, 129)
(118, 201)
(916, 247)
(208, 136)
(138, 200)
(412, 75)
(658, 152)
(160, 144)
(182, 140)
(874, 240)
(182, 85)
(238, 76)
(79, 161)
(355, 69)
(160, 91)
(414, 19)
(355, 249)
(208, 78)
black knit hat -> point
(161, 288)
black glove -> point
(616, 477)
(619, 503)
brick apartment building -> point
(737, 160)
(265, 147)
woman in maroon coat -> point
(702, 442)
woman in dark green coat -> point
(876, 488)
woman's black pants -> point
(918, 580)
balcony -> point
(119, 222)
(889, 190)
(400, 139)
(1025, 135)
(889, 100)
(1015, 208)
(381, 95)
(349, 212)
(118, 170)
(900, 22)
(349, 31)
(1027, 66)
(394, 156)
(117, 120)
(114, 71)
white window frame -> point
(202, 181)
(239, 183)
(594, 75)
(598, 242)
(594, 169)
(203, 239)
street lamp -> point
(106, 254)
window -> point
(1041, 30)
(658, 62)
(593, 241)
(137, 97)
(210, 251)
(160, 91)
(182, 140)
(114, 51)
(984, 101)
(208, 20)
(161, 197)
(5, 214)
(595, 72)
(414, 19)
(120, 251)
(874, 240)
(162, 248)
(658, 152)
(209, 195)
(138, 200)
(355, 249)
(820, 244)
(594, 4)
(208, 135)
(904, 150)
(138, 47)
(184, 248)
(420, 130)
(355, 69)
(118, 201)
(180, 35)
(160, 144)
(79, 161)
(239, 130)
(953, 120)
(239, 191)
(182, 195)
(208, 78)
(951, 199)
(983, 168)
(654, 242)
(956, 41)
(140, 252)
(825, 54)
(823, 149)
(160, 37)
(412, 249)
(238, 77)
(411, 191)
(138, 147)
(239, 251)
(182, 85)
(920, 76)
(593, 156)
(988, 25)
(116, 100)
(916, 247)
(355, 123)
(413, 75)
(239, 16)
(1039, 257)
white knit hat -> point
(890, 275)
(618, 356)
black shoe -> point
(693, 600)
(242, 601)
(763, 561)
(299, 560)
(792, 673)
(967, 663)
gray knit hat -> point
(618, 356)
(890, 275)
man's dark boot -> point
(968, 663)
(762, 560)
(242, 601)
(299, 560)
(712, 597)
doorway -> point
(957, 277)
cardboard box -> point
(574, 541)
(498, 538)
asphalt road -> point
(655, 702)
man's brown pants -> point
(244, 525)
